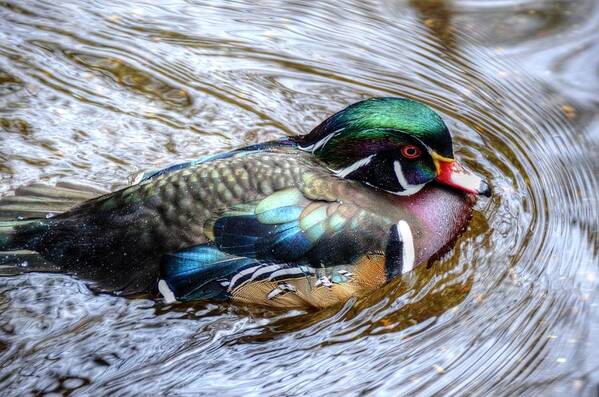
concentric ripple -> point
(100, 90)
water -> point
(100, 90)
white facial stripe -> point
(399, 174)
(323, 141)
(166, 292)
(342, 173)
(408, 254)
(413, 189)
(408, 189)
(428, 148)
(315, 146)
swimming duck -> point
(305, 221)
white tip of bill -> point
(166, 292)
(408, 254)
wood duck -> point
(306, 221)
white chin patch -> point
(166, 292)
(408, 254)
(413, 189)
(408, 189)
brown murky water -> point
(99, 90)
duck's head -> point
(394, 144)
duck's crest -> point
(389, 113)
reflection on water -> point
(102, 90)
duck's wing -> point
(285, 249)
(286, 226)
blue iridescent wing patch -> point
(287, 227)
(201, 272)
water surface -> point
(100, 90)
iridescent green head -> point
(394, 144)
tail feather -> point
(20, 235)
(23, 214)
(8, 235)
(76, 241)
(40, 200)
(15, 257)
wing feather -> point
(286, 226)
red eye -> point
(410, 151)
